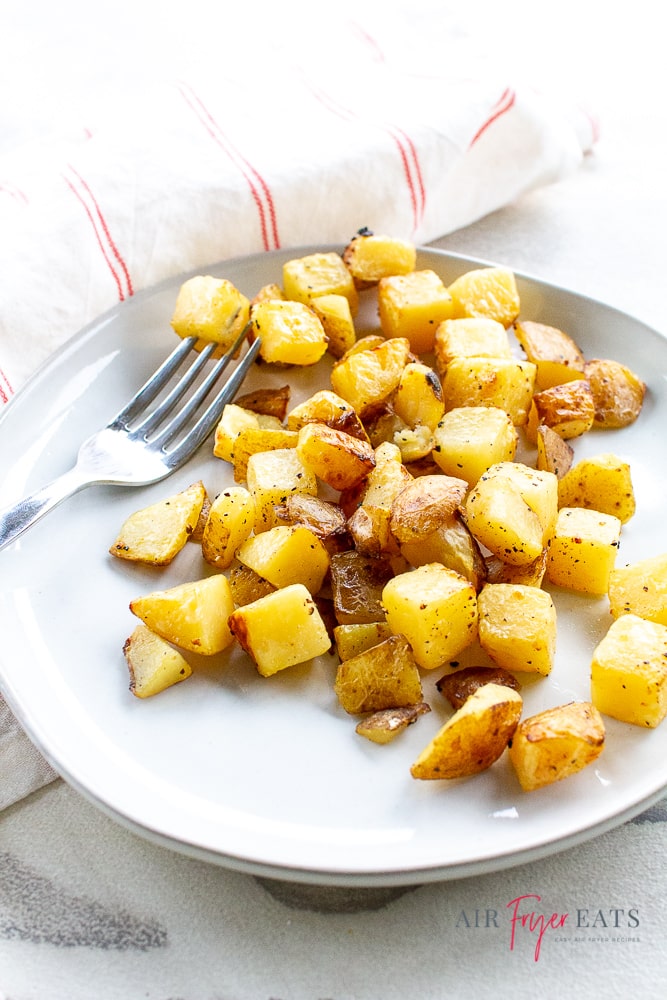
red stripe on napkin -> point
(501, 107)
(5, 388)
(14, 192)
(406, 149)
(110, 251)
(259, 189)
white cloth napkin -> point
(145, 143)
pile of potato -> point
(388, 515)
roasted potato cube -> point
(357, 638)
(489, 292)
(385, 725)
(285, 555)
(553, 352)
(157, 533)
(505, 383)
(272, 477)
(640, 589)
(459, 685)
(435, 608)
(326, 407)
(415, 443)
(370, 257)
(266, 402)
(324, 518)
(413, 306)
(211, 309)
(384, 676)
(369, 522)
(247, 586)
(554, 454)
(567, 409)
(474, 738)
(231, 520)
(530, 574)
(629, 672)
(191, 615)
(602, 482)
(306, 278)
(452, 545)
(357, 583)
(253, 440)
(476, 337)
(418, 398)
(337, 458)
(153, 664)
(618, 393)
(290, 332)
(583, 550)
(367, 378)
(470, 439)
(556, 743)
(424, 505)
(233, 421)
(302, 634)
(336, 317)
(538, 489)
(517, 627)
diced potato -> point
(326, 407)
(153, 664)
(618, 393)
(384, 726)
(157, 533)
(474, 738)
(267, 402)
(191, 615)
(302, 634)
(424, 505)
(357, 583)
(530, 574)
(369, 522)
(470, 439)
(272, 477)
(452, 545)
(435, 608)
(233, 421)
(231, 520)
(640, 589)
(253, 440)
(629, 672)
(286, 555)
(602, 482)
(247, 586)
(538, 489)
(306, 278)
(336, 317)
(476, 337)
(370, 257)
(367, 378)
(290, 332)
(489, 292)
(356, 638)
(413, 306)
(325, 519)
(198, 532)
(500, 382)
(460, 684)
(384, 676)
(583, 550)
(553, 453)
(567, 409)
(554, 353)
(556, 744)
(418, 398)
(415, 443)
(517, 627)
(211, 309)
(337, 458)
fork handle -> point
(17, 519)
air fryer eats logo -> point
(526, 919)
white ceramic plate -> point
(268, 776)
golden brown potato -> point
(384, 676)
(268, 402)
(554, 454)
(474, 737)
(601, 482)
(357, 582)
(568, 409)
(357, 637)
(337, 458)
(370, 257)
(424, 505)
(453, 546)
(459, 685)
(385, 725)
(555, 354)
(618, 393)
(326, 407)
(247, 586)
(153, 664)
(325, 519)
(367, 378)
(556, 743)
(156, 534)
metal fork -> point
(142, 445)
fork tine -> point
(155, 383)
(156, 416)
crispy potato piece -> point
(253, 440)
(198, 531)
(568, 409)
(356, 638)
(370, 257)
(618, 393)
(601, 482)
(156, 534)
(640, 589)
(385, 725)
(556, 743)
(357, 582)
(337, 458)
(418, 399)
(582, 552)
(413, 305)
(336, 317)
(470, 439)
(231, 520)
(553, 352)
(489, 292)
(290, 332)
(326, 407)
(452, 545)
(554, 454)
(306, 278)
(211, 309)
(367, 378)
(384, 676)
(458, 686)
(424, 505)
(629, 672)
(247, 586)
(530, 574)
(153, 664)
(268, 402)
(517, 627)
(272, 477)
(325, 519)
(286, 555)
(192, 615)
(233, 421)
(474, 737)
(370, 511)
(506, 383)
(475, 337)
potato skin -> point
(458, 686)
